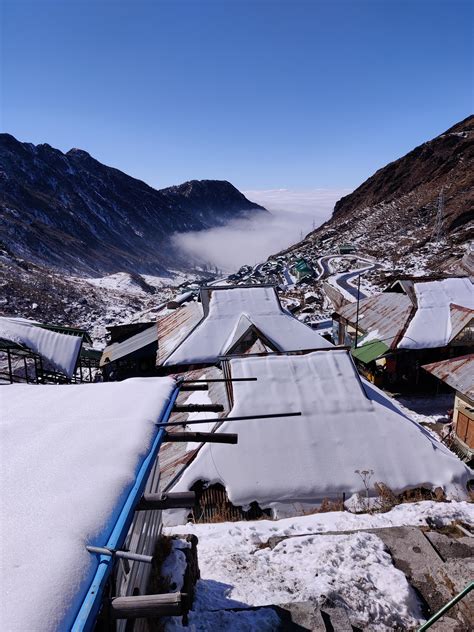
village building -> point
(37, 353)
(333, 426)
(232, 320)
(394, 333)
(347, 249)
(302, 270)
(458, 375)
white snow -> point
(61, 350)
(228, 310)
(431, 324)
(238, 569)
(173, 568)
(292, 464)
(69, 456)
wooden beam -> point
(222, 419)
(201, 437)
(167, 605)
(198, 408)
(194, 387)
(177, 500)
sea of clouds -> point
(292, 215)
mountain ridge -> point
(71, 212)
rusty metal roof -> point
(456, 372)
(118, 350)
(175, 327)
(460, 318)
(174, 457)
(384, 315)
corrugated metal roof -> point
(456, 372)
(460, 317)
(386, 314)
(174, 457)
(173, 329)
(119, 350)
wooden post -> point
(10, 370)
(194, 387)
(198, 408)
(168, 605)
(178, 500)
(201, 437)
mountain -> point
(392, 216)
(70, 212)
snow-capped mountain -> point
(70, 212)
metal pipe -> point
(357, 312)
(223, 379)
(126, 555)
(446, 607)
(222, 419)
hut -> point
(334, 425)
(228, 321)
(37, 353)
(413, 323)
(458, 375)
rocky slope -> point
(392, 215)
(71, 212)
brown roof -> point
(456, 372)
(175, 327)
(460, 317)
(386, 313)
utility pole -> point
(357, 312)
(438, 233)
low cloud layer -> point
(249, 241)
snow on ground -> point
(427, 409)
(238, 568)
(69, 455)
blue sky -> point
(266, 94)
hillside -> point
(392, 215)
(70, 212)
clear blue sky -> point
(266, 94)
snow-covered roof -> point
(61, 350)
(231, 313)
(70, 456)
(431, 325)
(344, 427)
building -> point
(131, 351)
(347, 249)
(38, 353)
(458, 374)
(302, 270)
(412, 323)
(229, 321)
(289, 464)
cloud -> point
(249, 241)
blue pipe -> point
(86, 617)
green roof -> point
(370, 351)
